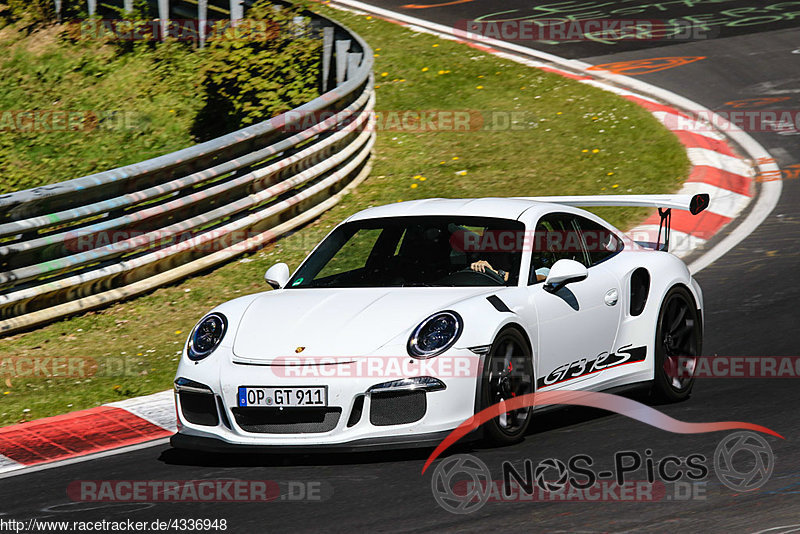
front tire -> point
(678, 344)
(507, 373)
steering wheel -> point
(494, 276)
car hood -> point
(337, 322)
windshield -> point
(413, 251)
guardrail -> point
(84, 243)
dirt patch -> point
(43, 39)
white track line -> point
(704, 156)
(679, 123)
(7, 464)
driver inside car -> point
(480, 266)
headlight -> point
(435, 335)
(207, 335)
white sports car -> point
(409, 318)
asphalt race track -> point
(751, 297)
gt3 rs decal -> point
(583, 367)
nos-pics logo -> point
(462, 483)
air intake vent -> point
(397, 408)
(640, 287)
(199, 408)
(289, 421)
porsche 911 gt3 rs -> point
(409, 318)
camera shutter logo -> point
(756, 471)
(551, 485)
(462, 470)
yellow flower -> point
(172, 111)
(376, 55)
(609, 174)
(384, 74)
(416, 177)
(6, 392)
(479, 87)
(377, 49)
(523, 87)
(178, 332)
(455, 158)
(424, 69)
(441, 72)
(462, 173)
(369, 18)
(401, 80)
(447, 72)
(139, 354)
(594, 118)
(435, 45)
(595, 151)
(480, 76)
(414, 186)
(117, 387)
(422, 178)
(441, 163)
(614, 186)
(558, 113)
(585, 150)
(377, 87)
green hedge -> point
(268, 65)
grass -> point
(574, 140)
(127, 107)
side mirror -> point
(564, 272)
(277, 275)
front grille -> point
(397, 408)
(199, 408)
(287, 421)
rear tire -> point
(507, 373)
(678, 344)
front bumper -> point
(357, 416)
(215, 445)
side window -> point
(600, 242)
(557, 237)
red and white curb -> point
(717, 169)
(85, 432)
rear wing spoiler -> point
(694, 204)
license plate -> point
(276, 397)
